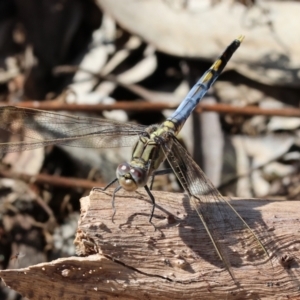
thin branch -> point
(53, 180)
(141, 105)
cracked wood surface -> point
(127, 259)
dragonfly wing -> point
(225, 227)
(37, 128)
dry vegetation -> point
(140, 56)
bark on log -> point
(127, 259)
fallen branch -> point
(127, 259)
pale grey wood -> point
(127, 259)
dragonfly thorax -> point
(131, 177)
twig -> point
(54, 180)
(141, 105)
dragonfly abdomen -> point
(203, 84)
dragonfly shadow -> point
(242, 250)
(235, 244)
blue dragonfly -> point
(151, 146)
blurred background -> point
(74, 56)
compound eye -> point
(125, 177)
(123, 169)
(137, 174)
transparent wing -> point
(225, 227)
(37, 128)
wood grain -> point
(128, 259)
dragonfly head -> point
(130, 178)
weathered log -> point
(128, 259)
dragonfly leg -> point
(106, 187)
(113, 202)
(160, 172)
(153, 205)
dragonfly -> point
(151, 146)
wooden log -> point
(128, 259)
